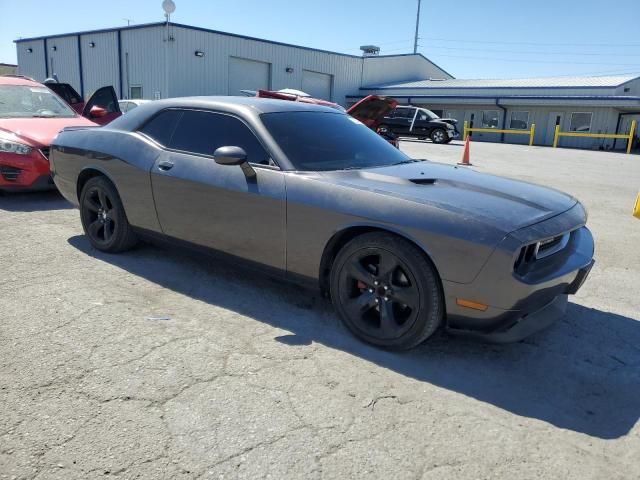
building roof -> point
(608, 81)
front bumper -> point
(453, 134)
(519, 304)
(25, 172)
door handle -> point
(165, 165)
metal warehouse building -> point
(161, 60)
(605, 104)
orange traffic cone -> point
(465, 154)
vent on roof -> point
(370, 50)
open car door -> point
(102, 107)
(68, 94)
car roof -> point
(229, 103)
(18, 80)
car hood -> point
(372, 109)
(505, 204)
(38, 132)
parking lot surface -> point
(158, 364)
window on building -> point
(580, 122)
(161, 127)
(135, 92)
(490, 118)
(519, 120)
(204, 132)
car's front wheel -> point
(439, 136)
(386, 291)
(103, 217)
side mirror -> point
(230, 156)
(234, 156)
(97, 112)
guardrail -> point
(530, 132)
(628, 136)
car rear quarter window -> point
(203, 132)
(161, 127)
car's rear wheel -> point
(438, 136)
(103, 217)
(386, 291)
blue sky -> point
(469, 39)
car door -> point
(402, 120)
(102, 107)
(217, 206)
(420, 125)
(69, 95)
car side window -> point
(161, 127)
(203, 132)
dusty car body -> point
(403, 247)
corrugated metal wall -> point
(380, 70)
(208, 75)
(143, 61)
(31, 64)
(144, 53)
(100, 63)
(62, 55)
(603, 120)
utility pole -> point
(415, 43)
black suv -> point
(408, 121)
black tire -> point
(403, 308)
(103, 217)
(438, 135)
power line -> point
(510, 60)
(525, 52)
(537, 44)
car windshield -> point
(430, 114)
(23, 101)
(317, 141)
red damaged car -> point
(31, 115)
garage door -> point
(245, 74)
(318, 85)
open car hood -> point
(372, 109)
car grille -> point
(45, 151)
(10, 174)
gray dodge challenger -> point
(401, 246)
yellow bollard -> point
(464, 134)
(533, 131)
(555, 137)
(630, 141)
(636, 209)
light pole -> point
(415, 42)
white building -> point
(160, 60)
(605, 104)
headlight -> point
(7, 146)
(450, 127)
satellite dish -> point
(168, 6)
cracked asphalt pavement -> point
(158, 364)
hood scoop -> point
(423, 181)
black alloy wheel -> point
(103, 218)
(386, 291)
(438, 136)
